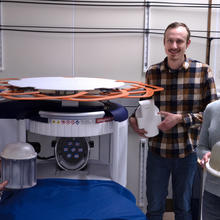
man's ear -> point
(188, 43)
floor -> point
(168, 216)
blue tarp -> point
(67, 199)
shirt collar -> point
(184, 67)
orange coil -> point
(135, 90)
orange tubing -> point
(136, 90)
(37, 96)
(90, 98)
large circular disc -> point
(66, 83)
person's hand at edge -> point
(3, 184)
(205, 159)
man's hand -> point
(2, 185)
(170, 120)
(205, 159)
(134, 125)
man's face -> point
(175, 43)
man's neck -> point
(175, 64)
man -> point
(188, 88)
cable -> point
(74, 32)
(90, 30)
(68, 27)
(115, 4)
(80, 3)
(95, 28)
(45, 158)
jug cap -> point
(18, 151)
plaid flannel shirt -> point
(187, 91)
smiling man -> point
(176, 41)
(188, 88)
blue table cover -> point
(68, 199)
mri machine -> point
(85, 175)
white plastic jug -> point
(147, 117)
(19, 165)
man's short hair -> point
(176, 25)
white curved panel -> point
(66, 83)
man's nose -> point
(174, 44)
